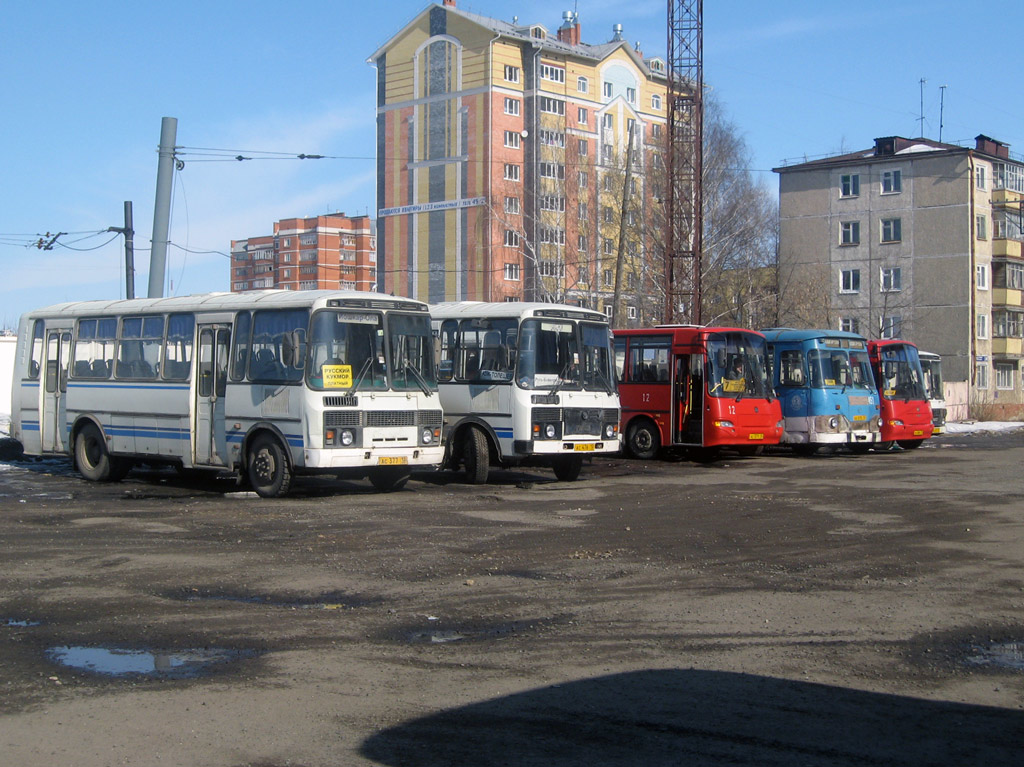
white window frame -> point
(511, 238)
(849, 324)
(631, 312)
(849, 233)
(892, 181)
(655, 101)
(607, 89)
(511, 73)
(582, 84)
(512, 139)
(891, 230)
(981, 277)
(849, 281)
(981, 226)
(981, 326)
(849, 185)
(511, 106)
(979, 177)
(512, 273)
(631, 95)
(1004, 377)
(512, 206)
(981, 375)
(511, 172)
(581, 116)
(890, 327)
(890, 279)
(551, 106)
(552, 72)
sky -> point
(85, 86)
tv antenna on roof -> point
(922, 81)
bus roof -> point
(795, 334)
(223, 301)
(511, 309)
(679, 331)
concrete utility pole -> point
(129, 249)
(162, 208)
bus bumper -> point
(581, 446)
(338, 458)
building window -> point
(849, 324)
(1007, 324)
(607, 246)
(1004, 376)
(582, 179)
(609, 278)
(982, 326)
(552, 138)
(512, 106)
(891, 327)
(849, 185)
(511, 238)
(981, 375)
(582, 84)
(892, 230)
(607, 120)
(606, 215)
(552, 202)
(656, 131)
(892, 181)
(581, 211)
(552, 73)
(512, 205)
(512, 272)
(631, 95)
(581, 116)
(849, 281)
(979, 177)
(607, 90)
(551, 106)
(981, 226)
(581, 244)
(981, 277)
(512, 139)
(631, 312)
(850, 233)
(892, 280)
(656, 101)
(551, 269)
(552, 170)
(608, 310)
(511, 74)
(1015, 276)
(511, 172)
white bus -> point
(264, 384)
(524, 384)
(931, 366)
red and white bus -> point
(697, 388)
(906, 414)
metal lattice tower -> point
(684, 219)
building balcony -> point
(1007, 297)
(1006, 195)
(1008, 347)
(1007, 248)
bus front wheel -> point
(642, 440)
(475, 456)
(568, 469)
(909, 444)
(268, 469)
(92, 459)
(388, 480)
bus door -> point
(53, 427)
(688, 398)
(209, 443)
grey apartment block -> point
(914, 239)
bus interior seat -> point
(490, 357)
(83, 369)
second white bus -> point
(524, 384)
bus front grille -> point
(429, 418)
(341, 401)
(336, 419)
(390, 417)
(579, 420)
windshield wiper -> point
(561, 378)
(419, 378)
(362, 372)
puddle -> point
(120, 662)
(331, 600)
(1005, 655)
(17, 622)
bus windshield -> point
(932, 368)
(411, 344)
(901, 374)
(840, 368)
(597, 359)
(346, 351)
(736, 366)
(548, 355)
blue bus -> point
(824, 381)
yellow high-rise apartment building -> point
(501, 155)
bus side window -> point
(37, 350)
(791, 368)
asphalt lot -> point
(779, 610)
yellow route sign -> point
(337, 376)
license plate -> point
(392, 460)
(860, 418)
(586, 447)
(918, 432)
(756, 436)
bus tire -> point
(909, 444)
(643, 440)
(568, 469)
(475, 456)
(267, 467)
(92, 459)
(749, 451)
(884, 447)
(389, 480)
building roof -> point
(889, 147)
(550, 43)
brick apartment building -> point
(500, 153)
(328, 252)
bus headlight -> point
(550, 432)
(895, 422)
(724, 424)
(347, 437)
(427, 436)
(833, 423)
(880, 423)
(609, 431)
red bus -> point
(906, 414)
(696, 388)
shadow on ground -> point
(676, 717)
